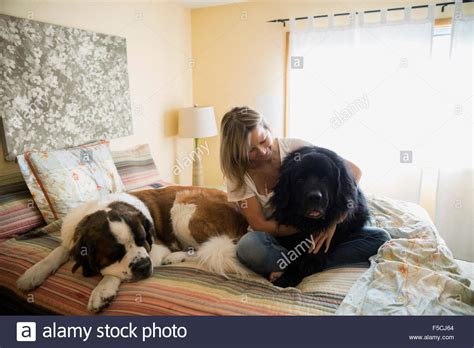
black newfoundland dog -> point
(315, 189)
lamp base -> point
(198, 178)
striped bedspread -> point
(183, 289)
(187, 289)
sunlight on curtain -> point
(374, 93)
(454, 214)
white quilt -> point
(412, 274)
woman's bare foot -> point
(274, 276)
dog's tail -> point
(218, 255)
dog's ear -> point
(84, 255)
(142, 228)
(282, 193)
(84, 249)
(345, 180)
(150, 233)
(346, 183)
(281, 199)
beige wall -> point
(159, 50)
(240, 58)
(237, 58)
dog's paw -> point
(286, 281)
(282, 282)
(103, 294)
(99, 301)
(30, 280)
(176, 257)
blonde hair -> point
(236, 126)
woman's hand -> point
(325, 237)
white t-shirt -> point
(249, 189)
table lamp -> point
(197, 122)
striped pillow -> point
(136, 167)
(18, 212)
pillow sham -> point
(60, 180)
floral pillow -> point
(60, 180)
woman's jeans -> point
(262, 252)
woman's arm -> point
(355, 169)
(252, 210)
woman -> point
(250, 160)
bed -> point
(187, 289)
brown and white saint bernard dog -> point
(125, 235)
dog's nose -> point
(315, 196)
(142, 267)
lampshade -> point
(197, 122)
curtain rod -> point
(442, 4)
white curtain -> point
(374, 93)
(454, 213)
